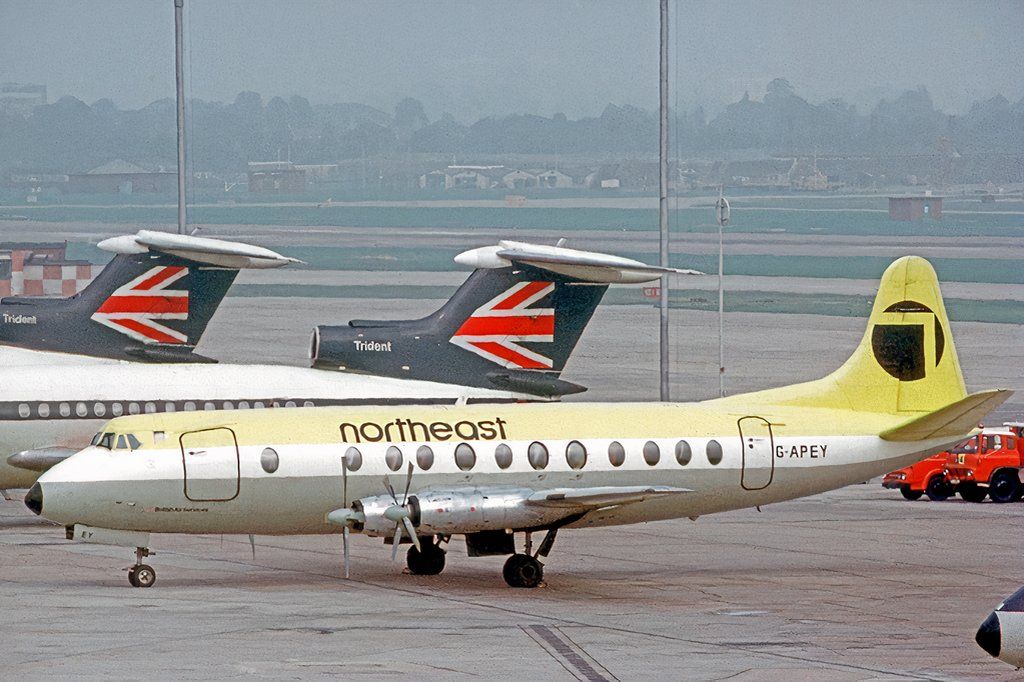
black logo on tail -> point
(900, 348)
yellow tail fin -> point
(906, 362)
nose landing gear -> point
(141, 575)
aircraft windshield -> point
(103, 440)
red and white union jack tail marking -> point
(495, 330)
(134, 308)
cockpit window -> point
(104, 440)
(134, 442)
(96, 439)
(121, 443)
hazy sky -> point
(482, 58)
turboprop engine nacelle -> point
(451, 512)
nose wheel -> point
(141, 575)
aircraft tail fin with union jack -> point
(511, 325)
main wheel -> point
(522, 570)
(909, 493)
(429, 561)
(937, 489)
(1004, 485)
(970, 492)
(142, 575)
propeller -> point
(345, 516)
(400, 513)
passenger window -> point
(465, 457)
(683, 453)
(228, 405)
(64, 409)
(44, 410)
(652, 453)
(150, 408)
(424, 457)
(121, 443)
(714, 452)
(308, 403)
(209, 406)
(243, 405)
(353, 459)
(290, 403)
(169, 407)
(81, 410)
(24, 411)
(257, 405)
(537, 453)
(616, 453)
(133, 408)
(393, 458)
(99, 409)
(575, 455)
(190, 406)
(503, 456)
(269, 460)
(134, 442)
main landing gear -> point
(526, 569)
(428, 560)
(141, 575)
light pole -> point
(722, 213)
(663, 198)
(179, 82)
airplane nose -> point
(34, 499)
(989, 637)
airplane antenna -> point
(722, 214)
(663, 198)
(179, 81)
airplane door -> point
(758, 448)
(211, 466)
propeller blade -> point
(396, 541)
(389, 488)
(344, 544)
(408, 482)
(344, 480)
(407, 522)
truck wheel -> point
(909, 493)
(970, 492)
(937, 488)
(1004, 485)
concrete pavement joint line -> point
(570, 655)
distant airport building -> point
(915, 208)
(20, 99)
(122, 177)
(276, 177)
(42, 270)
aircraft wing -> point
(588, 499)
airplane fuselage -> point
(722, 461)
(64, 406)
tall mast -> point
(663, 197)
(179, 80)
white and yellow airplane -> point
(490, 471)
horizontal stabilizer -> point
(40, 459)
(200, 249)
(587, 266)
(584, 499)
(951, 421)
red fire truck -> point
(927, 476)
(992, 466)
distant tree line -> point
(72, 136)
